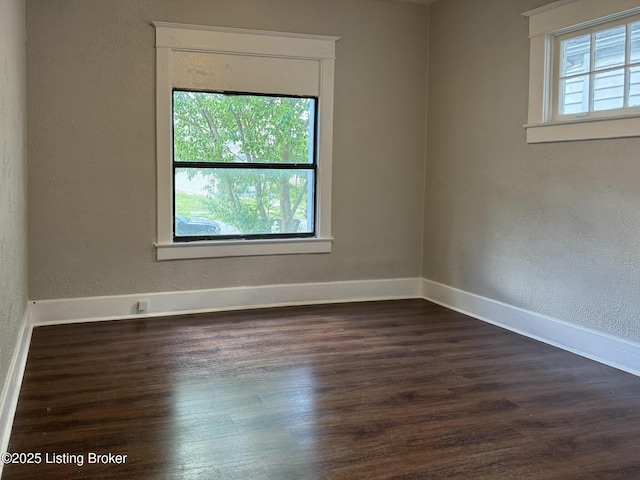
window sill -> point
(241, 248)
(583, 129)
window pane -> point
(610, 47)
(244, 201)
(608, 90)
(576, 55)
(574, 95)
(635, 42)
(242, 128)
(634, 87)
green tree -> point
(248, 129)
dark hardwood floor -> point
(381, 390)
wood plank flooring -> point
(380, 390)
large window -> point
(584, 70)
(244, 134)
(244, 165)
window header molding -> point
(549, 6)
(566, 15)
(240, 41)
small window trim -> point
(546, 24)
(172, 38)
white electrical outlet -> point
(143, 305)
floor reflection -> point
(243, 425)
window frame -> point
(626, 21)
(547, 25)
(271, 166)
(264, 46)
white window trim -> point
(172, 37)
(545, 23)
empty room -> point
(319, 239)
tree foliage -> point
(248, 129)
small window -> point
(244, 166)
(599, 71)
(584, 70)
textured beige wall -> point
(92, 157)
(553, 228)
(13, 199)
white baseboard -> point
(76, 310)
(609, 350)
(11, 389)
(616, 352)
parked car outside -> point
(195, 226)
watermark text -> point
(78, 459)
